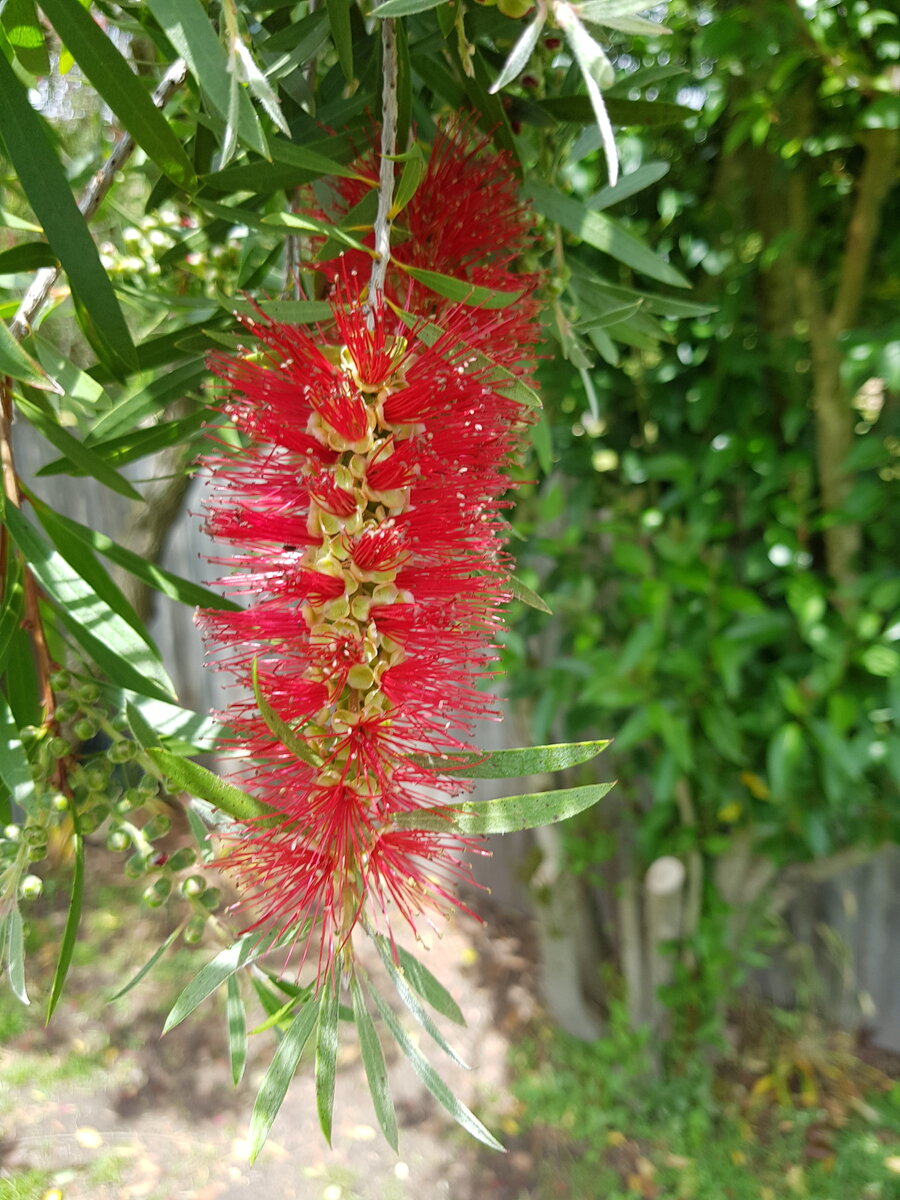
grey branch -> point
(386, 176)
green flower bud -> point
(59, 747)
(31, 887)
(157, 827)
(193, 931)
(135, 866)
(211, 898)
(12, 833)
(118, 840)
(59, 802)
(88, 693)
(85, 729)
(194, 885)
(185, 857)
(67, 710)
(60, 681)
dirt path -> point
(99, 1108)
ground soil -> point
(99, 1107)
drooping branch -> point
(36, 296)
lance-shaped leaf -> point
(15, 769)
(375, 1067)
(460, 290)
(602, 232)
(188, 28)
(26, 36)
(411, 1001)
(279, 1075)
(521, 52)
(17, 363)
(183, 590)
(148, 965)
(326, 1051)
(79, 458)
(514, 763)
(598, 74)
(125, 657)
(120, 88)
(191, 777)
(279, 727)
(30, 256)
(420, 978)
(521, 591)
(509, 814)
(236, 1019)
(404, 8)
(73, 918)
(15, 954)
(47, 191)
(244, 951)
(441, 1092)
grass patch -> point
(608, 1128)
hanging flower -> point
(367, 515)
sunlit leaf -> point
(509, 814)
(374, 1064)
(279, 1075)
(237, 1029)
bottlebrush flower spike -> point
(367, 516)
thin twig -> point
(36, 296)
(383, 219)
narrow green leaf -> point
(314, 161)
(30, 256)
(419, 977)
(191, 777)
(404, 8)
(520, 53)
(341, 33)
(279, 1075)
(78, 455)
(460, 290)
(629, 185)
(326, 1051)
(82, 560)
(11, 611)
(432, 1080)
(147, 967)
(128, 412)
(509, 814)
(244, 951)
(521, 591)
(188, 28)
(15, 769)
(375, 1067)
(277, 1017)
(293, 312)
(643, 113)
(289, 220)
(47, 190)
(409, 998)
(514, 763)
(198, 829)
(410, 177)
(144, 734)
(182, 590)
(70, 933)
(26, 36)
(120, 88)
(600, 231)
(186, 732)
(137, 444)
(15, 954)
(17, 363)
(279, 727)
(112, 643)
(77, 384)
(237, 1029)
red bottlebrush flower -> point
(367, 517)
